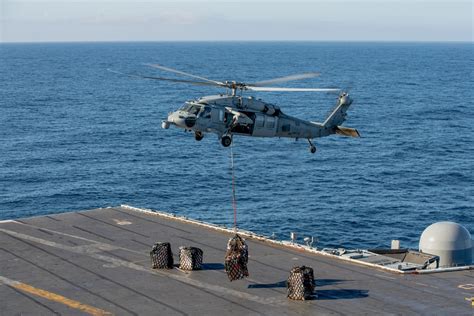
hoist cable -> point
(234, 200)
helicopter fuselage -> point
(227, 115)
(231, 114)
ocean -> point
(74, 136)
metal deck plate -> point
(97, 262)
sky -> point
(213, 20)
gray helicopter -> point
(232, 114)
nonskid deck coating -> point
(97, 262)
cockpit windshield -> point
(191, 108)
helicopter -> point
(231, 114)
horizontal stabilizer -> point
(346, 131)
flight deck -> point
(97, 262)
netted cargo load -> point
(300, 283)
(236, 258)
(190, 258)
(161, 256)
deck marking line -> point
(54, 297)
(466, 286)
(122, 222)
(422, 284)
(470, 299)
(106, 247)
(92, 251)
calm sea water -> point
(74, 136)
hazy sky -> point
(128, 20)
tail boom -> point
(338, 116)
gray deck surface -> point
(100, 259)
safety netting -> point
(190, 258)
(161, 256)
(300, 283)
(236, 258)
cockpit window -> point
(186, 107)
(191, 108)
(205, 112)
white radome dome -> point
(448, 240)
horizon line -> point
(239, 41)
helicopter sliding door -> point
(265, 125)
(242, 122)
(217, 115)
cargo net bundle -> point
(300, 283)
(161, 256)
(236, 258)
(190, 258)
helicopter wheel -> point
(312, 148)
(198, 136)
(226, 141)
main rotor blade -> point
(199, 83)
(270, 89)
(285, 79)
(184, 73)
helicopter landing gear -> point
(226, 140)
(198, 136)
(312, 148)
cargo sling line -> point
(237, 255)
(234, 201)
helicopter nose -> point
(177, 119)
(182, 120)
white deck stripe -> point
(91, 251)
